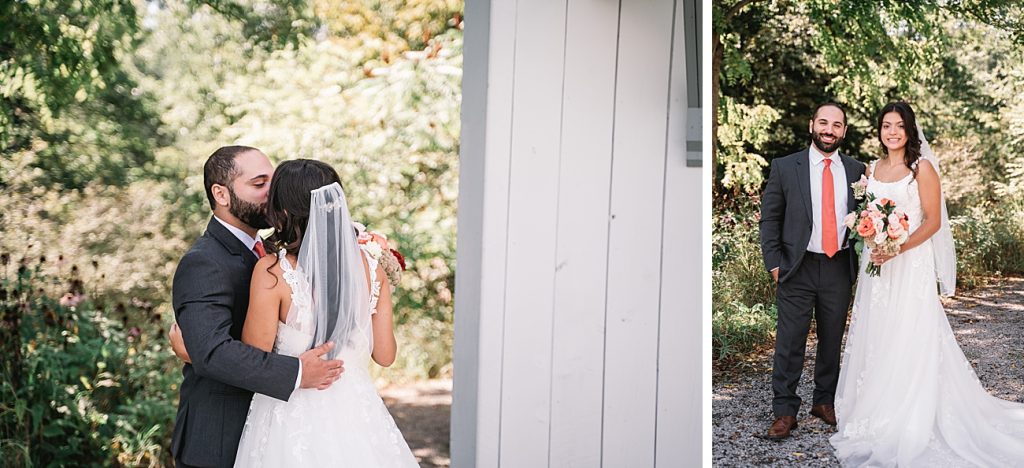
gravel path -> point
(422, 411)
(988, 323)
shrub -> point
(738, 329)
(82, 384)
(743, 293)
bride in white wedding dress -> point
(316, 290)
(907, 395)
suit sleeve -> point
(773, 212)
(202, 306)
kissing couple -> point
(905, 395)
(276, 336)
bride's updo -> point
(288, 200)
(913, 148)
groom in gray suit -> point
(210, 298)
(803, 241)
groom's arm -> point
(773, 212)
(202, 306)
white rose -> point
(851, 220)
(881, 236)
(374, 249)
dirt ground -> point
(422, 411)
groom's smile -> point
(827, 128)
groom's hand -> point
(775, 275)
(318, 372)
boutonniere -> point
(860, 187)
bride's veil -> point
(942, 241)
(331, 259)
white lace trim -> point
(374, 283)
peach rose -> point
(866, 228)
(895, 231)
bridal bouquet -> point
(376, 244)
(878, 224)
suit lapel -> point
(851, 166)
(803, 178)
(233, 245)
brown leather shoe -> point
(781, 427)
(826, 413)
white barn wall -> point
(588, 104)
(577, 336)
(679, 370)
(532, 217)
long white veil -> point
(332, 261)
(942, 241)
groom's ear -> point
(220, 195)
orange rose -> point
(905, 223)
(883, 202)
(866, 228)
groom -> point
(803, 241)
(211, 297)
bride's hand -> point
(879, 258)
(178, 344)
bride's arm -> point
(931, 203)
(384, 345)
(260, 328)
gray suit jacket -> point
(211, 298)
(786, 218)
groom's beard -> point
(249, 213)
(822, 146)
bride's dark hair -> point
(288, 200)
(913, 148)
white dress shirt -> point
(250, 242)
(839, 185)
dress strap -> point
(297, 282)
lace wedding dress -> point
(907, 395)
(346, 425)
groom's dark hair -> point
(220, 168)
(829, 104)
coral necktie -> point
(258, 248)
(829, 237)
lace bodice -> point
(295, 336)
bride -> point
(316, 290)
(907, 395)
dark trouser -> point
(823, 285)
